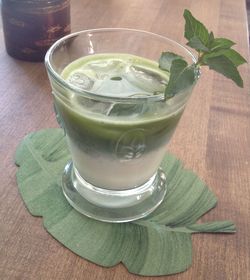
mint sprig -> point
(216, 53)
(181, 76)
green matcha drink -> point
(117, 143)
(119, 108)
(118, 103)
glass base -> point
(111, 205)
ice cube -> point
(128, 110)
(86, 104)
(81, 80)
(145, 79)
(108, 68)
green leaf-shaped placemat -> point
(159, 244)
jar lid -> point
(33, 3)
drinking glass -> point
(116, 141)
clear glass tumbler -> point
(117, 140)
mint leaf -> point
(194, 28)
(196, 43)
(211, 38)
(181, 77)
(225, 66)
(221, 43)
(166, 60)
(213, 52)
(235, 57)
(231, 54)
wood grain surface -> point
(213, 139)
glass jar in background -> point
(32, 26)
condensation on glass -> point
(32, 26)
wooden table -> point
(213, 139)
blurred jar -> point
(32, 26)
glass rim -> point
(92, 95)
